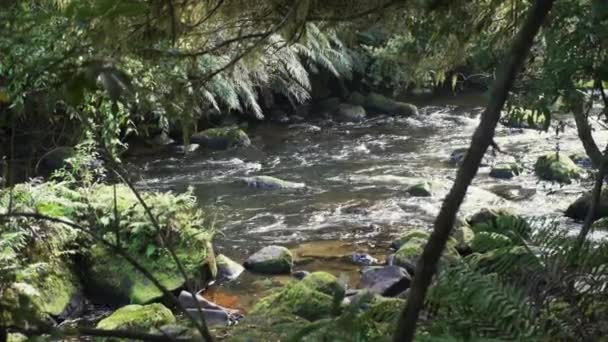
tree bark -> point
(427, 264)
(584, 134)
(595, 200)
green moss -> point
(20, 306)
(55, 283)
(111, 275)
(410, 234)
(298, 299)
(323, 282)
(138, 317)
(558, 168)
(412, 246)
(384, 310)
(422, 189)
(16, 337)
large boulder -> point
(579, 208)
(383, 104)
(323, 282)
(556, 167)
(221, 138)
(227, 269)
(387, 280)
(270, 260)
(111, 278)
(58, 288)
(271, 183)
(138, 317)
(350, 113)
(298, 299)
(356, 98)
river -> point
(349, 203)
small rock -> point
(271, 183)
(364, 259)
(212, 317)
(422, 189)
(457, 156)
(387, 281)
(227, 269)
(301, 274)
(513, 192)
(505, 171)
(187, 149)
(270, 260)
(582, 160)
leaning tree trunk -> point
(482, 138)
(584, 134)
(596, 195)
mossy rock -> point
(110, 276)
(228, 269)
(56, 285)
(558, 168)
(422, 189)
(410, 234)
(579, 208)
(16, 337)
(270, 260)
(412, 246)
(524, 118)
(298, 299)
(506, 170)
(356, 98)
(601, 224)
(21, 306)
(261, 327)
(324, 282)
(350, 113)
(138, 317)
(383, 104)
(221, 138)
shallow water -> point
(351, 202)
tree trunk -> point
(595, 200)
(584, 134)
(427, 264)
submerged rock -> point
(513, 192)
(555, 167)
(350, 113)
(271, 183)
(578, 209)
(505, 170)
(387, 281)
(582, 160)
(386, 105)
(270, 260)
(138, 317)
(306, 127)
(363, 259)
(221, 138)
(227, 269)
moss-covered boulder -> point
(356, 98)
(556, 167)
(138, 317)
(58, 288)
(110, 277)
(385, 105)
(21, 306)
(323, 282)
(227, 269)
(270, 260)
(298, 299)
(350, 113)
(578, 209)
(412, 246)
(505, 170)
(221, 138)
(524, 118)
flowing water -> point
(352, 202)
